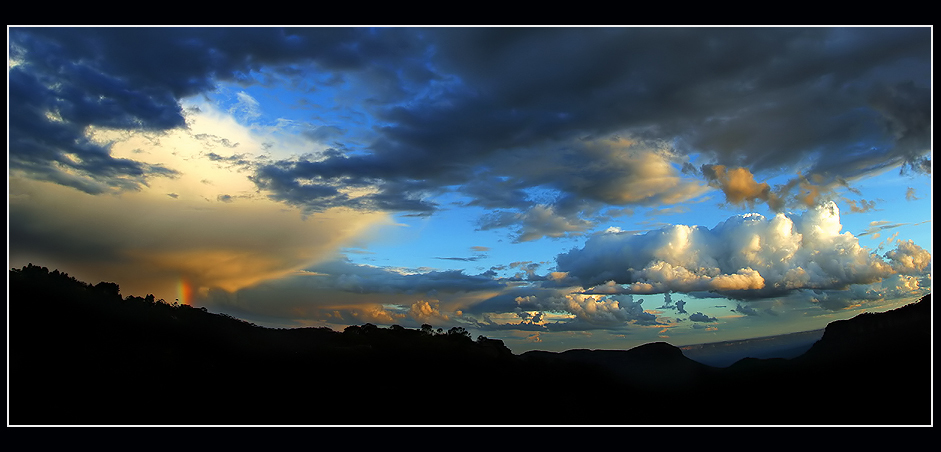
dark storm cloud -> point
(62, 80)
(492, 192)
(299, 183)
(285, 188)
(47, 141)
(518, 102)
(517, 108)
(756, 97)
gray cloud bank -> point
(545, 126)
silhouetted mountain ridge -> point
(655, 365)
(82, 354)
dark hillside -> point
(870, 369)
(82, 354)
(656, 366)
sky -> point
(555, 188)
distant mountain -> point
(82, 354)
(726, 353)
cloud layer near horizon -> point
(805, 259)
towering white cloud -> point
(745, 256)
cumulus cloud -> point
(680, 307)
(700, 317)
(528, 322)
(745, 256)
(427, 312)
(909, 258)
(745, 309)
(608, 311)
(901, 285)
(583, 311)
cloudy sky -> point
(552, 187)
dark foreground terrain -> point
(81, 354)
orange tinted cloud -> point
(740, 186)
(147, 242)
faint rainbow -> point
(184, 291)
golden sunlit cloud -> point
(648, 173)
(427, 312)
(149, 243)
(207, 227)
(740, 186)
